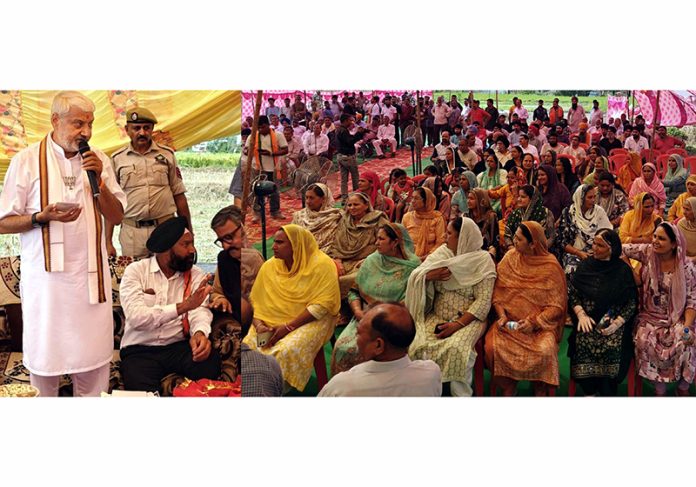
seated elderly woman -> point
(382, 277)
(603, 296)
(494, 177)
(319, 215)
(664, 335)
(579, 224)
(356, 235)
(459, 207)
(424, 223)
(529, 208)
(482, 214)
(449, 297)
(639, 223)
(687, 225)
(296, 301)
(530, 299)
(611, 198)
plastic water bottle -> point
(511, 325)
(686, 336)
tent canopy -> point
(185, 117)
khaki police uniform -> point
(150, 181)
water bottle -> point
(511, 325)
(686, 336)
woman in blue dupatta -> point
(467, 182)
(383, 276)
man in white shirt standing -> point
(167, 326)
(316, 143)
(385, 136)
(596, 114)
(66, 283)
(384, 334)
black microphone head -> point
(83, 146)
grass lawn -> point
(530, 99)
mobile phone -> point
(66, 206)
(211, 279)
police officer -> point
(148, 174)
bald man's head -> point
(385, 332)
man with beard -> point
(576, 113)
(167, 326)
(152, 181)
(610, 141)
(636, 142)
(66, 286)
(551, 143)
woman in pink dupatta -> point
(664, 336)
(649, 183)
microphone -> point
(82, 148)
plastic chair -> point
(616, 151)
(320, 369)
(383, 186)
(677, 150)
(645, 154)
(584, 146)
(661, 164)
(617, 161)
(690, 163)
(479, 366)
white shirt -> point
(596, 114)
(268, 162)
(397, 378)
(530, 150)
(389, 111)
(441, 151)
(299, 130)
(385, 132)
(314, 145)
(521, 112)
(634, 146)
(63, 333)
(151, 319)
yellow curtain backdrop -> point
(185, 117)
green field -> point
(530, 99)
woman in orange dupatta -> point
(631, 171)
(424, 223)
(530, 290)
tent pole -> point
(654, 124)
(633, 104)
(417, 161)
(250, 156)
(496, 99)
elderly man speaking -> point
(66, 284)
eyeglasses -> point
(229, 238)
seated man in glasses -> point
(230, 293)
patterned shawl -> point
(322, 224)
(354, 241)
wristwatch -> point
(36, 223)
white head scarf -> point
(469, 266)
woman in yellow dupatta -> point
(676, 211)
(639, 223)
(296, 297)
(424, 223)
(630, 171)
(530, 290)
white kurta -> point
(63, 333)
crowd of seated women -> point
(506, 252)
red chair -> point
(320, 369)
(479, 366)
(418, 179)
(645, 154)
(618, 151)
(389, 207)
(677, 150)
(617, 161)
(383, 186)
(690, 162)
(584, 146)
(661, 164)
